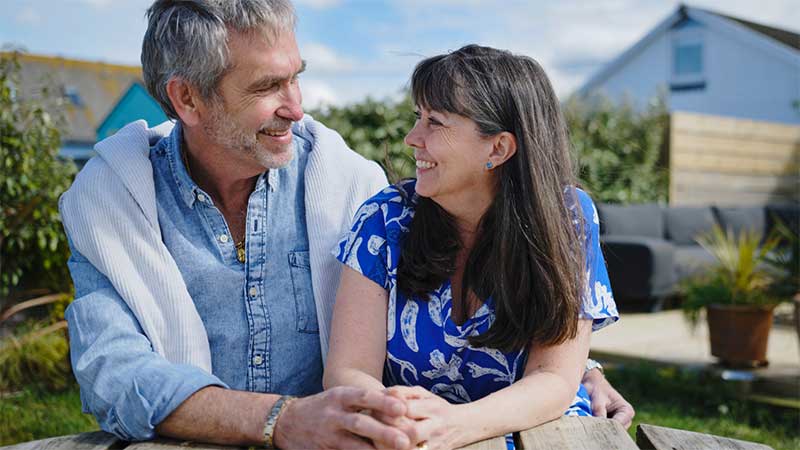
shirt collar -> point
(187, 188)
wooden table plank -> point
(577, 433)
(171, 444)
(652, 437)
(497, 443)
(97, 440)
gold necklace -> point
(241, 254)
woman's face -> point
(451, 159)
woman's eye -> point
(417, 115)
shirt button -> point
(201, 197)
(223, 238)
(257, 360)
(253, 291)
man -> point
(203, 282)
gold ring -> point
(422, 446)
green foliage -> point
(376, 130)
(32, 243)
(36, 413)
(696, 401)
(740, 276)
(620, 149)
(38, 353)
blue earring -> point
(489, 165)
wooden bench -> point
(566, 433)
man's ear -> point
(184, 100)
(503, 148)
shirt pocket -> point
(305, 308)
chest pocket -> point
(305, 308)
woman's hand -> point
(436, 423)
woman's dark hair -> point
(528, 254)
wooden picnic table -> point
(566, 433)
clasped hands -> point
(399, 417)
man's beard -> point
(226, 133)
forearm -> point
(531, 401)
(221, 416)
(348, 376)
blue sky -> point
(356, 48)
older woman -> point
(474, 288)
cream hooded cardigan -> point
(111, 217)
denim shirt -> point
(260, 316)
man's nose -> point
(292, 108)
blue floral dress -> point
(424, 346)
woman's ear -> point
(503, 148)
(184, 100)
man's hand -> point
(606, 401)
(332, 419)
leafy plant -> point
(740, 276)
(621, 149)
(33, 247)
(36, 352)
(376, 130)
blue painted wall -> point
(135, 104)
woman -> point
(478, 283)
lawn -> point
(665, 397)
(693, 401)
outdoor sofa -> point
(650, 248)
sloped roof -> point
(786, 37)
(784, 43)
(89, 89)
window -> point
(73, 95)
(688, 59)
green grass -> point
(664, 397)
(696, 402)
(34, 413)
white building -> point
(709, 63)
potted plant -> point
(738, 294)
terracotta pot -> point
(739, 334)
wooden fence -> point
(732, 162)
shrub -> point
(376, 130)
(620, 150)
(33, 248)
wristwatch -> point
(272, 419)
(592, 364)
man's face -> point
(258, 99)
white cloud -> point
(323, 59)
(28, 16)
(317, 93)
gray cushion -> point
(692, 260)
(742, 218)
(685, 223)
(644, 220)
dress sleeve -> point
(363, 248)
(598, 301)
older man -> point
(200, 259)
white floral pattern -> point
(431, 350)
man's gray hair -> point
(189, 39)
